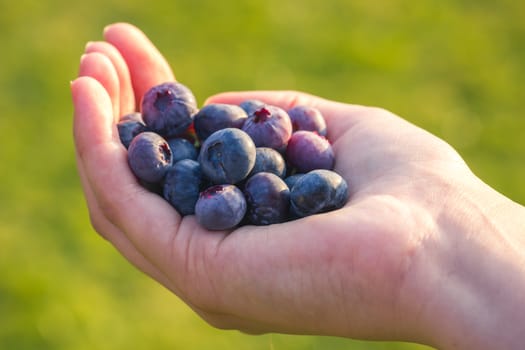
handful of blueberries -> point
(232, 165)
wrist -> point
(476, 293)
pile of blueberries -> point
(232, 165)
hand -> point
(423, 251)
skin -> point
(424, 251)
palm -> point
(333, 273)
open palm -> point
(355, 272)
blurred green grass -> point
(454, 68)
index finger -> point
(146, 64)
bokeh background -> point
(455, 68)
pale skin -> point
(423, 251)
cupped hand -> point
(364, 271)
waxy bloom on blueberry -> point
(227, 156)
(218, 116)
(182, 149)
(128, 129)
(182, 185)
(318, 191)
(269, 126)
(268, 199)
(308, 151)
(168, 108)
(269, 160)
(220, 207)
(307, 118)
(149, 156)
(251, 106)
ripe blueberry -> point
(268, 199)
(268, 160)
(182, 149)
(168, 108)
(292, 179)
(128, 129)
(251, 106)
(308, 151)
(307, 118)
(218, 116)
(182, 185)
(149, 156)
(318, 191)
(227, 156)
(220, 207)
(269, 126)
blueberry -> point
(128, 129)
(218, 116)
(149, 156)
(220, 207)
(268, 160)
(182, 185)
(227, 156)
(269, 126)
(251, 106)
(292, 179)
(307, 151)
(307, 118)
(182, 149)
(168, 108)
(318, 191)
(268, 199)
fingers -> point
(148, 221)
(116, 237)
(127, 98)
(146, 64)
(96, 65)
(99, 67)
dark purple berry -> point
(227, 156)
(308, 151)
(128, 129)
(307, 118)
(220, 207)
(182, 149)
(149, 156)
(168, 109)
(268, 199)
(182, 186)
(269, 160)
(251, 106)
(218, 116)
(318, 191)
(292, 179)
(269, 126)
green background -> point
(455, 68)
